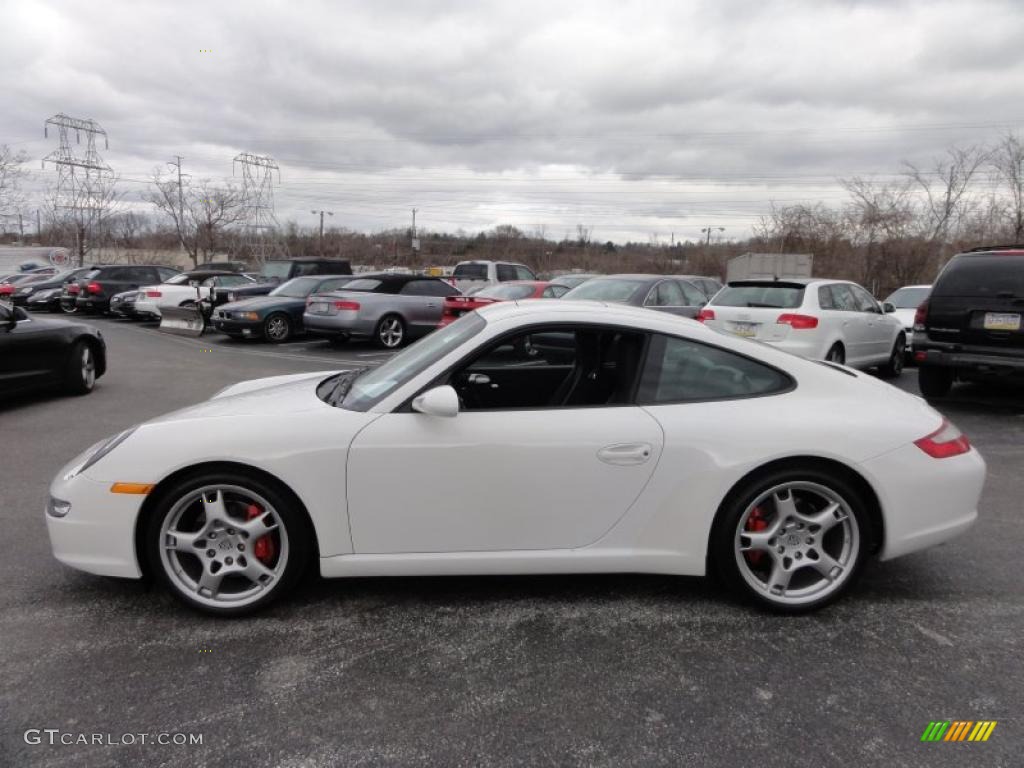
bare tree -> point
(86, 216)
(945, 201)
(11, 176)
(202, 216)
(1007, 160)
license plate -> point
(318, 308)
(744, 329)
(1002, 321)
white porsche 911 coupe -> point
(528, 437)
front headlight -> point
(100, 450)
(248, 315)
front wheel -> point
(277, 328)
(390, 332)
(227, 543)
(792, 540)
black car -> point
(970, 325)
(92, 291)
(277, 316)
(277, 271)
(44, 295)
(38, 353)
(675, 295)
(123, 304)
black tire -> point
(286, 512)
(836, 354)
(390, 332)
(725, 537)
(68, 309)
(934, 381)
(897, 357)
(277, 328)
(80, 369)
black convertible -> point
(275, 317)
(40, 354)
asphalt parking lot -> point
(588, 670)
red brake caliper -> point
(755, 522)
(263, 547)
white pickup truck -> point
(471, 276)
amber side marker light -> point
(140, 489)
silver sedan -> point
(388, 308)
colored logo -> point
(959, 730)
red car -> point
(456, 306)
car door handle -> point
(625, 454)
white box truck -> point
(767, 266)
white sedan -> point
(595, 438)
(833, 320)
(180, 291)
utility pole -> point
(415, 242)
(709, 230)
(181, 203)
(39, 229)
(21, 228)
(320, 247)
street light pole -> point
(320, 246)
(709, 230)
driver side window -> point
(557, 367)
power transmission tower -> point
(81, 180)
(258, 192)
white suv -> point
(832, 320)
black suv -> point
(277, 271)
(970, 326)
(92, 291)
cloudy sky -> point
(639, 120)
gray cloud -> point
(635, 118)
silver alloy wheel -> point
(391, 332)
(807, 548)
(88, 368)
(277, 328)
(68, 310)
(209, 546)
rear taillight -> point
(153, 294)
(6, 289)
(705, 314)
(921, 314)
(799, 322)
(944, 442)
(94, 288)
(73, 288)
(354, 305)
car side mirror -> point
(439, 401)
(888, 307)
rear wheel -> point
(68, 308)
(934, 381)
(390, 332)
(80, 374)
(894, 367)
(792, 540)
(836, 354)
(277, 328)
(227, 543)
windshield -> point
(373, 386)
(607, 290)
(179, 279)
(768, 295)
(908, 298)
(297, 288)
(506, 292)
(470, 272)
(276, 270)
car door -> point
(421, 304)
(879, 332)
(31, 352)
(547, 452)
(854, 327)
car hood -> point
(42, 322)
(258, 303)
(258, 397)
